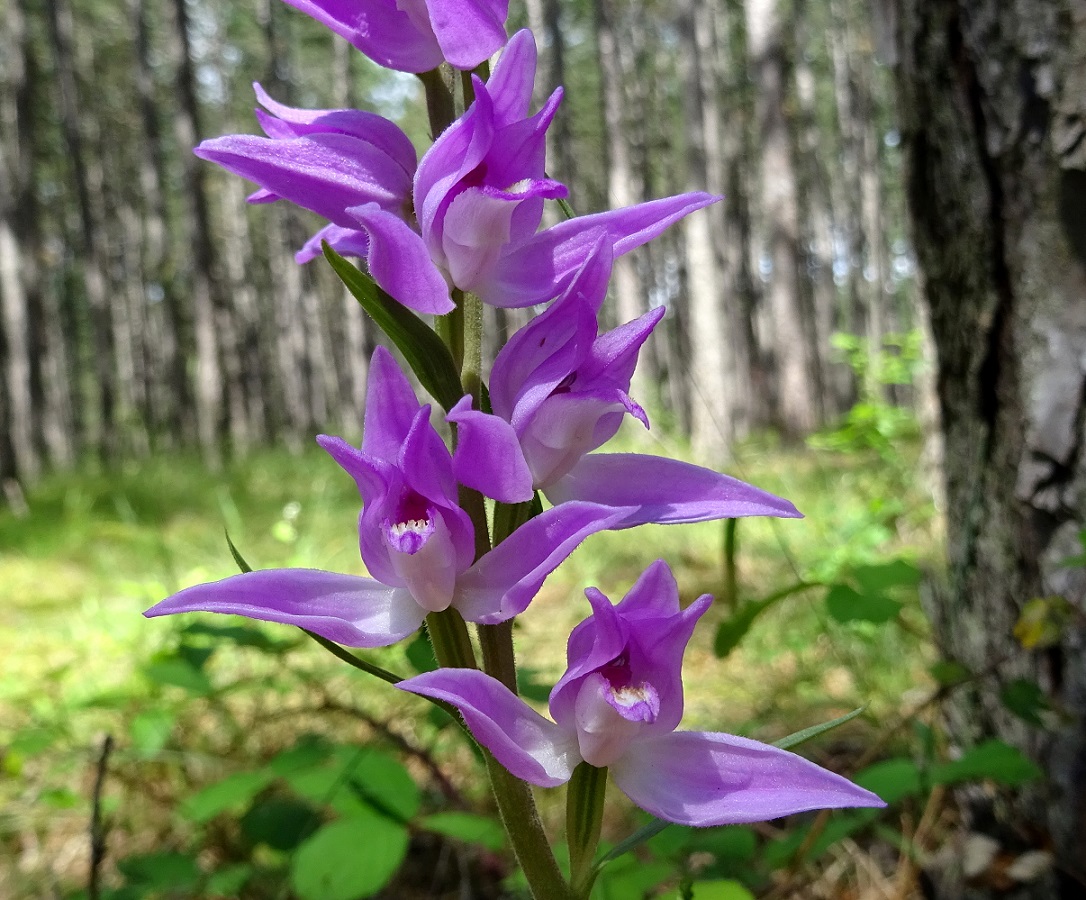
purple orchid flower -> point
(327, 161)
(617, 707)
(414, 538)
(415, 35)
(467, 216)
(479, 195)
(562, 388)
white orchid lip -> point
(636, 703)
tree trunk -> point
(993, 102)
(19, 456)
(798, 392)
(711, 361)
(209, 389)
(86, 181)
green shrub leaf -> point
(348, 859)
(467, 827)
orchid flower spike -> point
(415, 35)
(479, 194)
(617, 707)
(415, 540)
(466, 217)
(562, 388)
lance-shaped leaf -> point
(424, 351)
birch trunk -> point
(993, 100)
(711, 414)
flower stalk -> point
(584, 818)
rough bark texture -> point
(993, 99)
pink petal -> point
(664, 491)
(707, 778)
(400, 263)
(504, 581)
(347, 609)
(533, 748)
(469, 31)
(488, 456)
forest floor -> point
(80, 662)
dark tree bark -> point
(203, 299)
(993, 100)
(86, 181)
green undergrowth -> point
(190, 701)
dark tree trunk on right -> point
(993, 105)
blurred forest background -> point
(147, 307)
(885, 321)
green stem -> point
(731, 578)
(508, 517)
(471, 367)
(584, 816)
(353, 660)
(499, 658)
(449, 636)
(518, 813)
(462, 332)
(440, 106)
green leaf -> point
(644, 833)
(420, 654)
(877, 578)
(239, 560)
(149, 731)
(32, 741)
(229, 880)
(529, 688)
(196, 657)
(242, 635)
(891, 779)
(348, 859)
(633, 878)
(310, 750)
(949, 671)
(733, 845)
(280, 822)
(60, 798)
(176, 672)
(383, 782)
(1026, 700)
(993, 759)
(719, 889)
(174, 872)
(424, 351)
(467, 827)
(229, 795)
(327, 786)
(732, 630)
(782, 852)
(814, 731)
(1044, 621)
(845, 604)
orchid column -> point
(438, 237)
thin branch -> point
(97, 827)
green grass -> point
(96, 549)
